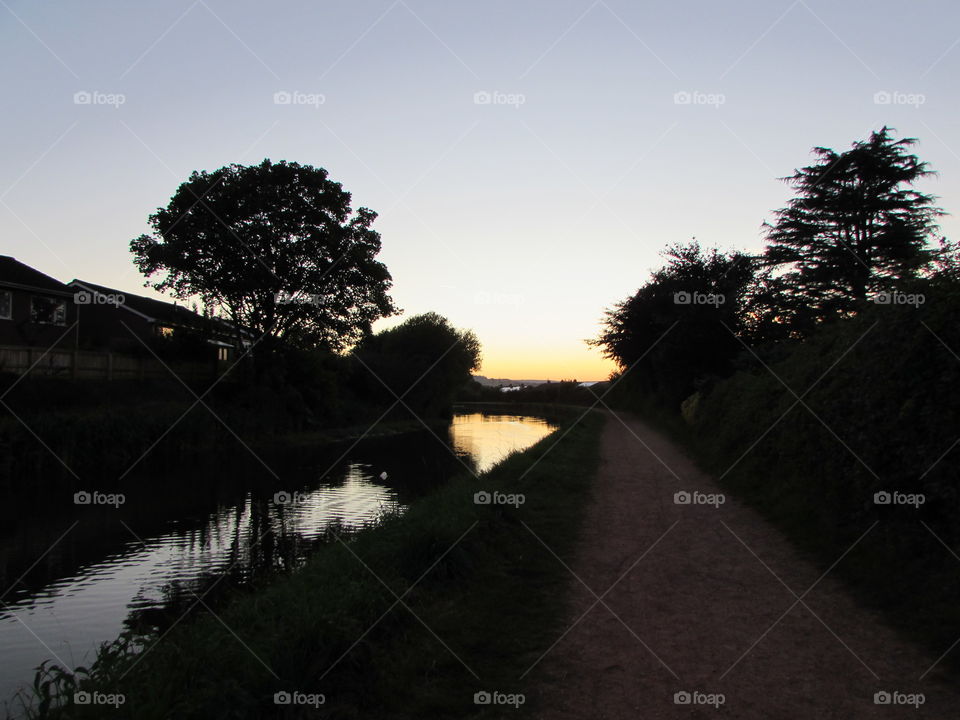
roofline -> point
(122, 305)
(34, 288)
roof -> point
(15, 274)
(150, 308)
(154, 310)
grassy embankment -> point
(406, 620)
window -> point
(6, 305)
(48, 310)
(164, 331)
(223, 354)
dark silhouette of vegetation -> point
(274, 246)
(422, 363)
(564, 392)
(679, 331)
(829, 387)
(856, 226)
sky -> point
(529, 159)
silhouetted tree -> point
(680, 329)
(274, 246)
(425, 355)
(856, 226)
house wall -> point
(21, 330)
(108, 327)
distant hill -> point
(509, 382)
(505, 382)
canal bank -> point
(446, 553)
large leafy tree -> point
(856, 226)
(275, 247)
(681, 329)
(424, 361)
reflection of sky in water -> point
(71, 615)
(490, 438)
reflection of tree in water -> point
(253, 537)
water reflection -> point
(144, 563)
(490, 438)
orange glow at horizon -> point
(545, 364)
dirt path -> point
(698, 611)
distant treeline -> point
(565, 392)
(820, 380)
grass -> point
(406, 620)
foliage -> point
(681, 329)
(856, 226)
(276, 247)
(424, 361)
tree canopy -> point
(856, 226)
(277, 248)
(424, 355)
(681, 327)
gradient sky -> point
(522, 218)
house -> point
(125, 323)
(35, 309)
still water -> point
(76, 578)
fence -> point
(97, 365)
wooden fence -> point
(97, 365)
